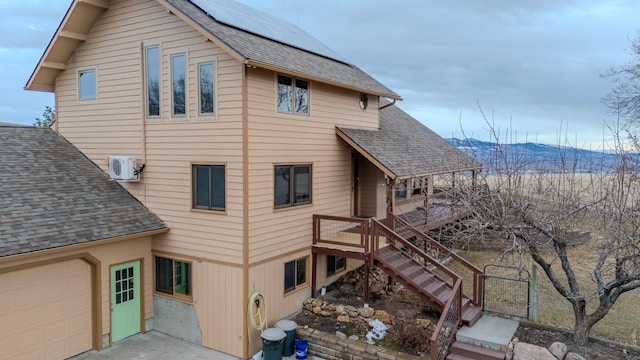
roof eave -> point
(84, 11)
(262, 65)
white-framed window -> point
(153, 81)
(207, 88)
(293, 95)
(178, 84)
(88, 84)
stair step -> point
(475, 352)
(458, 357)
(435, 286)
(471, 314)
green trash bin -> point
(289, 327)
(272, 340)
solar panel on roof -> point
(255, 21)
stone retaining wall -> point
(331, 347)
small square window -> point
(209, 187)
(293, 95)
(335, 264)
(173, 277)
(292, 185)
(295, 274)
(87, 86)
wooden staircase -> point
(422, 281)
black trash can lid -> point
(273, 334)
(287, 325)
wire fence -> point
(507, 290)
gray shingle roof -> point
(261, 50)
(407, 148)
(51, 196)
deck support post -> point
(366, 281)
(314, 262)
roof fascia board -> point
(204, 32)
(364, 153)
(84, 245)
(401, 178)
(278, 69)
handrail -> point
(412, 247)
(450, 319)
(477, 273)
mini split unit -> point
(124, 168)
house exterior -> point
(242, 127)
(67, 235)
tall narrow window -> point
(292, 185)
(209, 187)
(293, 95)
(153, 80)
(178, 72)
(206, 89)
(87, 84)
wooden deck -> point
(438, 214)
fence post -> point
(533, 294)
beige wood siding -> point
(115, 125)
(276, 138)
(220, 309)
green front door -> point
(125, 300)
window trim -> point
(292, 203)
(213, 62)
(296, 284)
(173, 295)
(293, 90)
(335, 269)
(145, 54)
(80, 71)
(171, 89)
(194, 207)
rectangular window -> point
(293, 95)
(295, 274)
(178, 85)
(209, 187)
(173, 277)
(292, 185)
(335, 264)
(152, 57)
(87, 84)
(206, 89)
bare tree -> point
(541, 210)
(624, 98)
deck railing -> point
(343, 231)
(472, 275)
(451, 318)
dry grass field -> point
(622, 322)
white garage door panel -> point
(45, 312)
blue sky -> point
(533, 66)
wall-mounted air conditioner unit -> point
(123, 168)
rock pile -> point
(557, 351)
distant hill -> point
(534, 157)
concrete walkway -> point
(153, 346)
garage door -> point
(45, 311)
